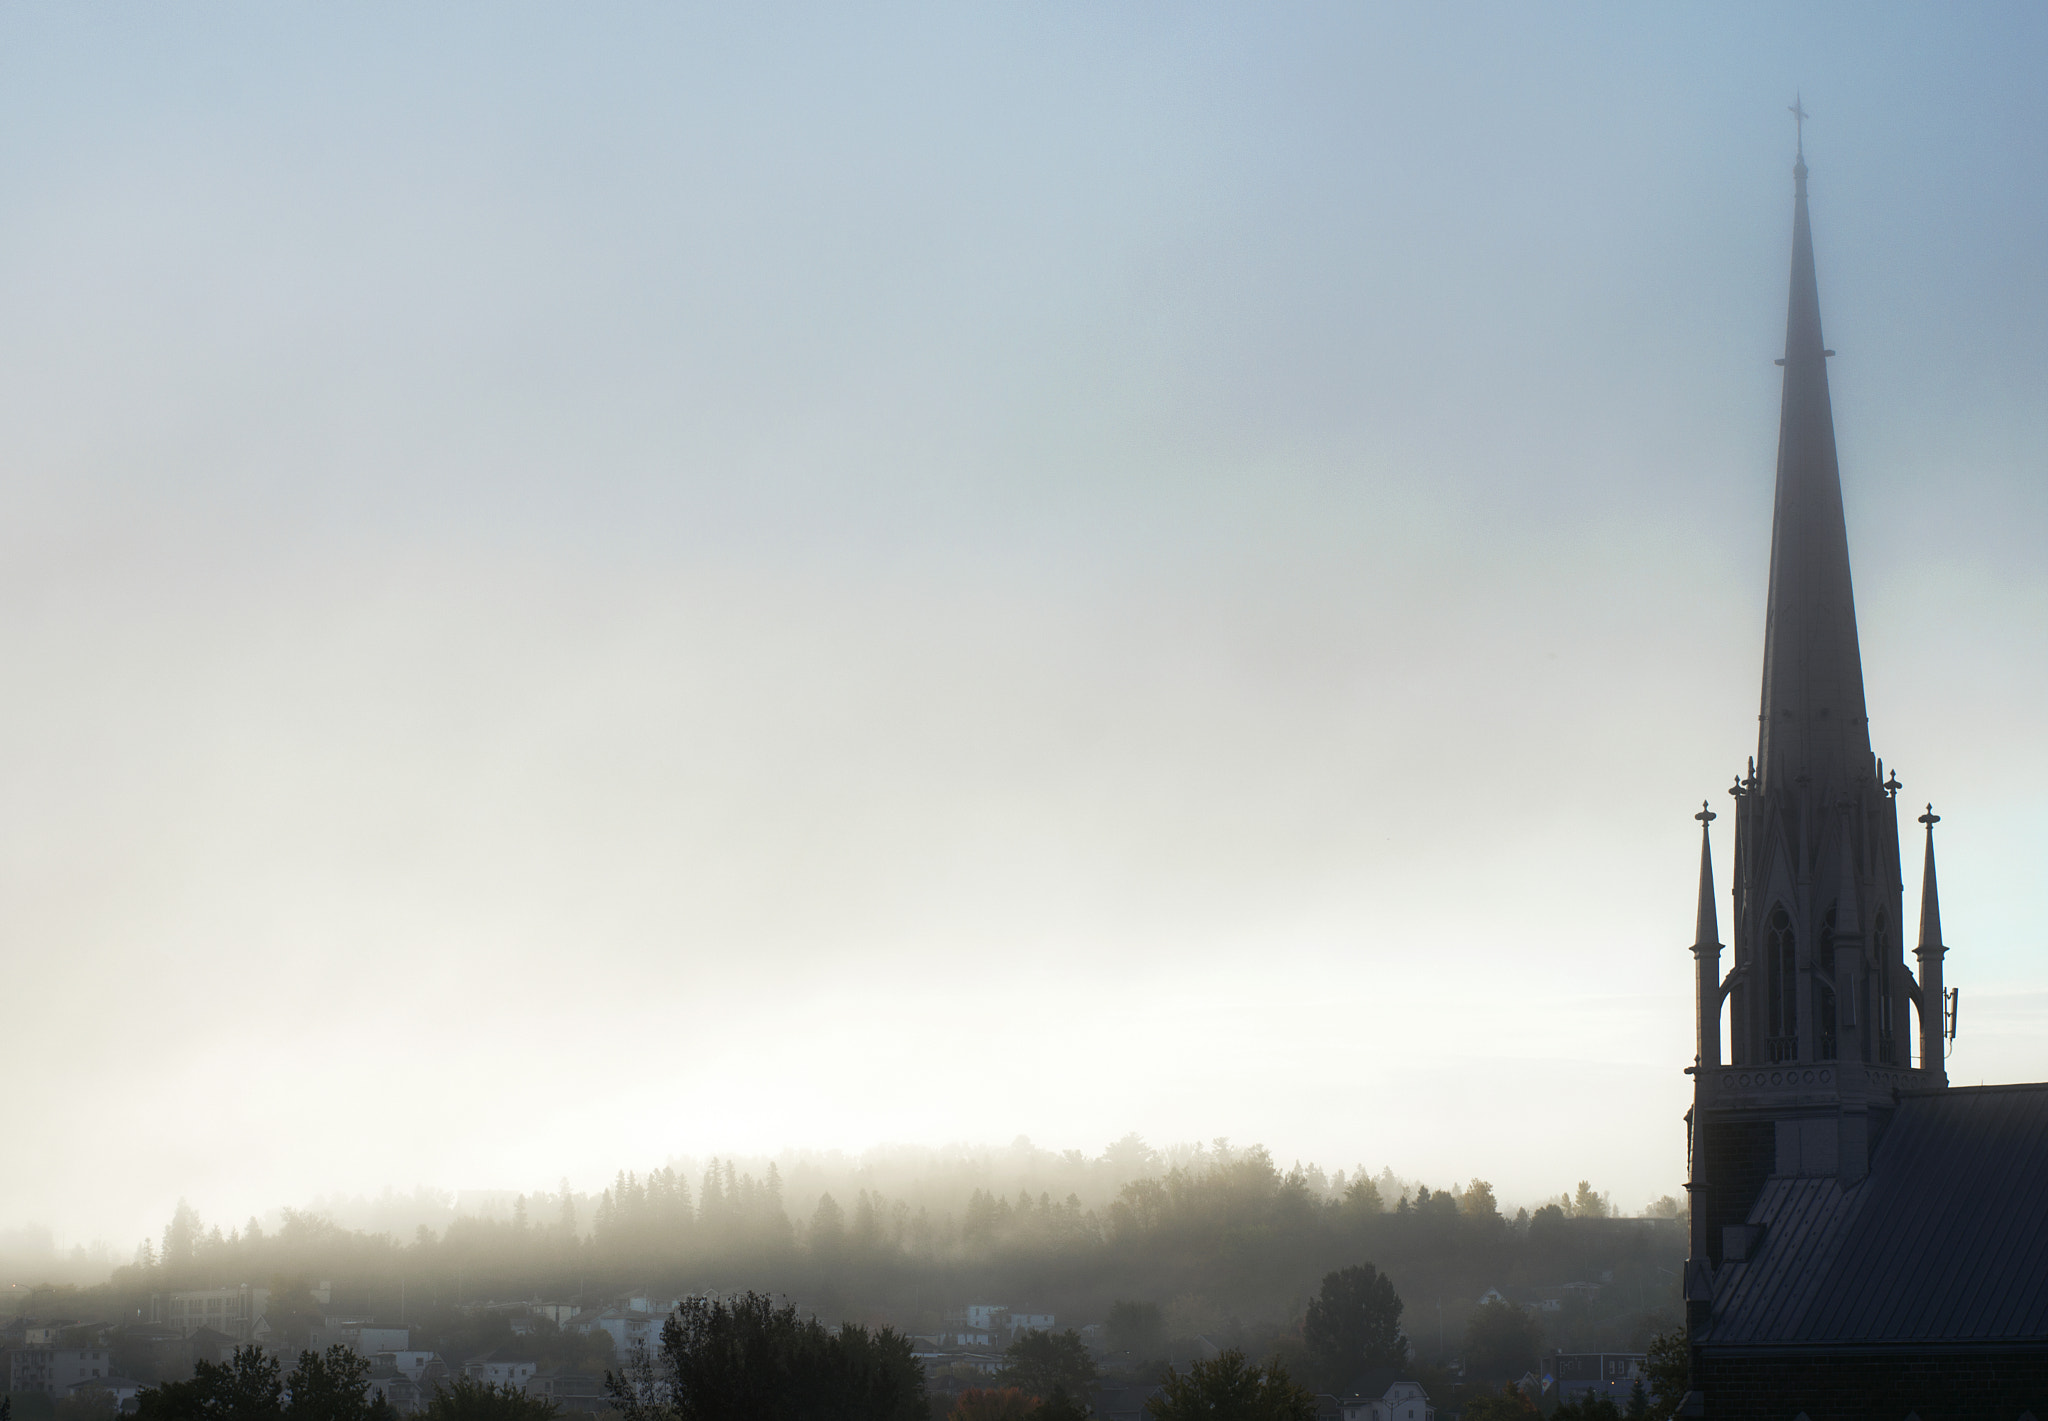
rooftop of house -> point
(506, 1356)
(1379, 1381)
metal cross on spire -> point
(1799, 117)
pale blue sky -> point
(756, 574)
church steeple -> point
(1817, 1054)
(1818, 922)
(1813, 721)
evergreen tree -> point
(465, 1399)
(748, 1360)
(1231, 1388)
(1353, 1325)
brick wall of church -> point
(1986, 1386)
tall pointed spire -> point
(1707, 928)
(1813, 721)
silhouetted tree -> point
(1231, 1389)
(1042, 1363)
(992, 1404)
(1354, 1324)
(466, 1399)
(1590, 1203)
(748, 1360)
(1136, 1328)
(828, 1226)
(1508, 1404)
(246, 1387)
(1501, 1340)
(86, 1403)
(330, 1386)
(1669, 1365)
(1362, 1198)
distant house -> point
(1386, 1395)
(999, 1318)
(210, 1345)
(411, 1363)
(1610, 1373)
(53, 1371)
(957, 1336)
(28, 1369)
(574, 1392)
(630, 1330)
(240, 1313)
(402, 1393)
(939, 1360)
(508, 1366)
(365, 1339)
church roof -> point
(1813, 717)
(1942, 1243)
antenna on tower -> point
(1799, 117)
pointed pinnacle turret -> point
(1933, 1000)
(1707, 927)
(1813, 720)
(1930, 899)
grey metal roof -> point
(1945, 1241)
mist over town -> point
(1053, 712)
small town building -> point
(507, 1366)
(1574, 1374)
(1386, 1395)
(240, 1312)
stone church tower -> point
(1865, 1240)
(1817, 1003)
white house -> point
(410, 1363)
(958, 1337)
(1387, 1396)
(71, 1365)
(504, 1367)
(629, 1330)
(996, 1316)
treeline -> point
(1224, 1243)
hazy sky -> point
(585, 583)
